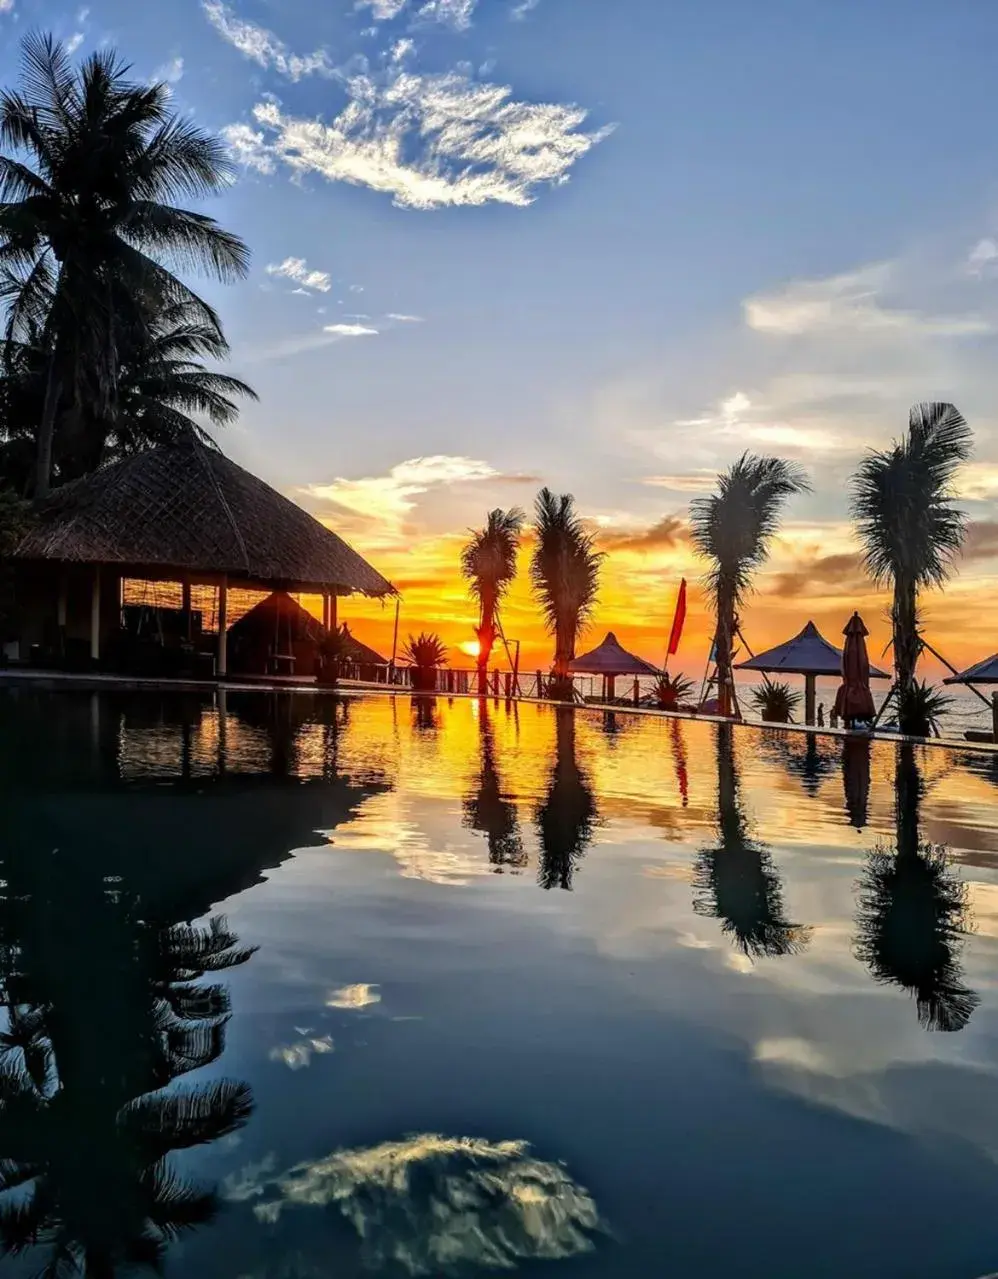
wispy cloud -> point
(452, 13)
(693, 482)
(262, 46)
(400, 318)
(74, 42)
(6, 6)
(361, 995)
(350, 330)
(296, 269)
(429, 141)
(982, 257)
(171, 72)
(519, 12)
(299, 1055)
(853, 301)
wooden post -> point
(495, 683)
(611, 688)
(540, 685)
(185, 605)
(222, 668)
(325, 610)
(810, 698)
(333, 611)
(95, 616)
(994, 715)
(395, 637)
(637, 691)
(509, 685)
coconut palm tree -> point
(902, 502)
(488, 563)
(567, 817)
(913, 913)
(736, 880)
(91, 163)
(733, 529)
(487, 808)
(565, 572)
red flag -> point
(679, 621)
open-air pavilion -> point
(984, 672)
(183, 514)
(611, 661)
(808, 654)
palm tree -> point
(92, 163)
(912, 917)
(565, 572)
(902, 502)
(567, 817)
(736, 880)
(488, 563)
(733, 529)
(489, 810)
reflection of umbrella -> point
(854, 699)
(856, 780)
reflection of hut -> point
(808, 654)
(182, 514)
(609, 661)
(276, 637)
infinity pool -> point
(301, 987)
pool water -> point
(300, 986)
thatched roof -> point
(985, 672)
(359, 653)
(808, 653)
(263, 618)
(188, 508)
(611, 659)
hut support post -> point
(994, 715)
(810, 699)
(185, 606)
(95, 616)
(333, 618)
(611, 687)
(223, 628)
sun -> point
(471, 647)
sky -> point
(602, 247)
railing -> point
(458, 681)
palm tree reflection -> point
(488, 810)
(104, 1013)
(736, 881)
(567, 817)
(913, 914)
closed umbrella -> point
(854, 699)
(856, 780)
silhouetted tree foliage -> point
(567, 818)
(488, 810)
(913, 914)
(736, 880)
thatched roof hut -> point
(611, 659)
(359, 653)
(190, 509)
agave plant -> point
(911, 531)
(776, 702)
(672, 690)
(565, 572)
(425, 653)
(732, 529)
(488, 563)
(920, 709)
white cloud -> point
(382, 10)
(695, 482)
(6, 6)
(452, 13)
(519, 11)
(82, 16)
(350, 330)
(299, 1055)
(389, 499)
(405, 319)
(852, 301)
(262, 46)
(74, 42)
(296, 269)
(981, 257)
(429, 141)
(171, 72)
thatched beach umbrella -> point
(611, 660)
(985, 672)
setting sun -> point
(471, 647)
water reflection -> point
(806, 757)
(105, 1011)
(488, 809)
(424, 714)
(913, 917)
(856, 753)
(430, 1204)
(736, 880)
(567, 817)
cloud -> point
(74, 42)
(351, 330)
(171, 72)
(389, 499)
(851, 302)
(297, 270)
(694, 482)
(663, 535)
(981, 257)
(978, 482)
(262, 46)
(6, 6)
(982, 541)
(299, 1055)
(405, 319)
(428, 141)
(838, 574)
(361, 995)
(451, 13)
(519, 12)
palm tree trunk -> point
(46, 430)
(486, 642)
(907, 645)
(564, 653)
(725, 645)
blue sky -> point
(631, 239)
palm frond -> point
(181, 1119)
(565, 566)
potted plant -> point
(334, 649)
(920, 708)
(671, 691)
(425, 653)
(776, 702)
